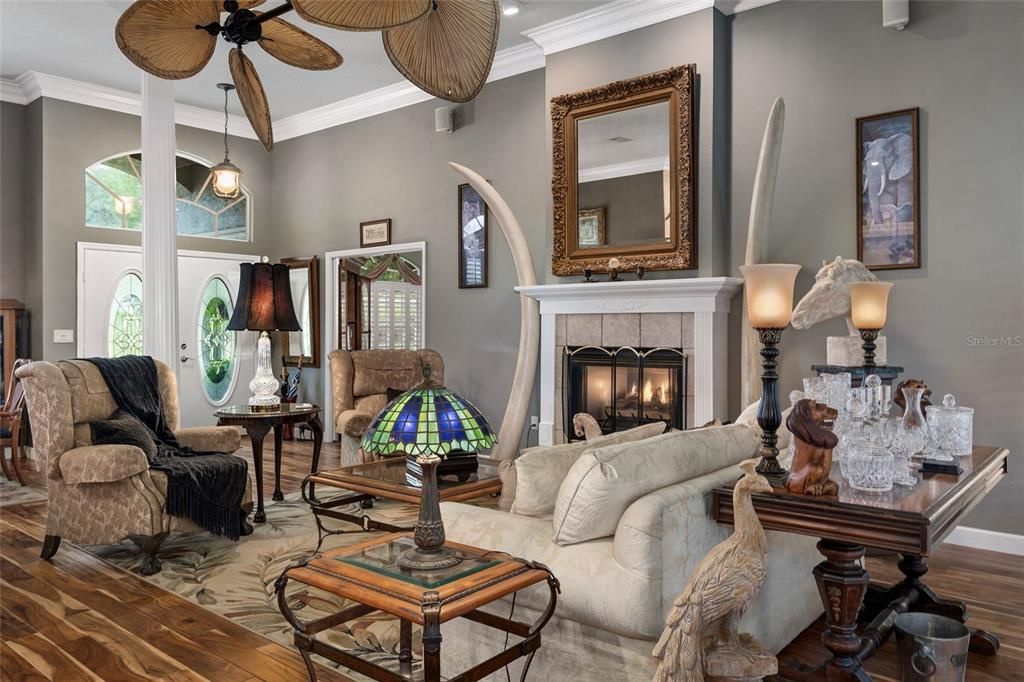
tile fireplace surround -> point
(678, 313)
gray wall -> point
(634, 206)
(691, 39)
(395, 166)
(12, 201)
(961, 64)
(75, 136)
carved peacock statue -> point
(703, 618)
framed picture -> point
(375, 232)
(472, 212)
(888, 191)
(590, 227)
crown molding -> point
(509, 62)
(623, 169)
(737, 6)
(609, 20)
(32, 85)
(11, 92)
(579, 29)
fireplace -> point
(624, 387)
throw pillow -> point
(603, 482)
(539, 471)
(124, 429)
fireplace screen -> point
(625, 387)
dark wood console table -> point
(911, 521)
(257, 424)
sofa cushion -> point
(605, 481)
(595, 588)
(539, 471)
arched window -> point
(124, 333)
(113, 198)
(217, 366)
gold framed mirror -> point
(303, 346)
(623, 170)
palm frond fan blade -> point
(249, 4)
(293, 46)
(252, 96)
(360, 15)
(161, 38)
(450, 51)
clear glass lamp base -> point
(264, 385)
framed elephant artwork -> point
(888, 191)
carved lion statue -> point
(812, 460)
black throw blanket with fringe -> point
(204, 487)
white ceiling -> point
(75, 39)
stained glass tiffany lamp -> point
(428, 422)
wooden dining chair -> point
(11, 422)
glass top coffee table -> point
(389, 479)
(368, 576)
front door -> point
(214, 364)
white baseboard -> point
(994, 541)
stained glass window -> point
(113, 198)
(124, 334)
(217, 366)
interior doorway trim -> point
(330, 311)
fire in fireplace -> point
(624, 387)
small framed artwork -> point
(888, 191)
(375, 233)
(472, 213)
(590, 227)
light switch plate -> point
(63, 335)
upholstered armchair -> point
(360, 382)
(102, 494)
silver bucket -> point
(932, 648)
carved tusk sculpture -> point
(757, 238)
(529, 331)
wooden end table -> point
(367, 574)
(257, 424)
(389, 479)
(911, 521)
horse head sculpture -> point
(830, 295)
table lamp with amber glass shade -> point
(427, 423)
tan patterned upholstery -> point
(360, 380)
(103, 494)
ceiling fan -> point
(444, 47)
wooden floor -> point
(77, 618)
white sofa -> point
(616, 591)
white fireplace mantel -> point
(708, 298)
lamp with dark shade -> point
(264, 304)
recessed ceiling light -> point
(510, 8)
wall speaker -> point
(443, 120)
(895, 14)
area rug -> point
(236, 580)
(12, 492)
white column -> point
(159, 236)
(711, 367)
(546, 429)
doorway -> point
(376, 300)
(213, 362)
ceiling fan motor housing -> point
(242, 27)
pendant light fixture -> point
(227, 177)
